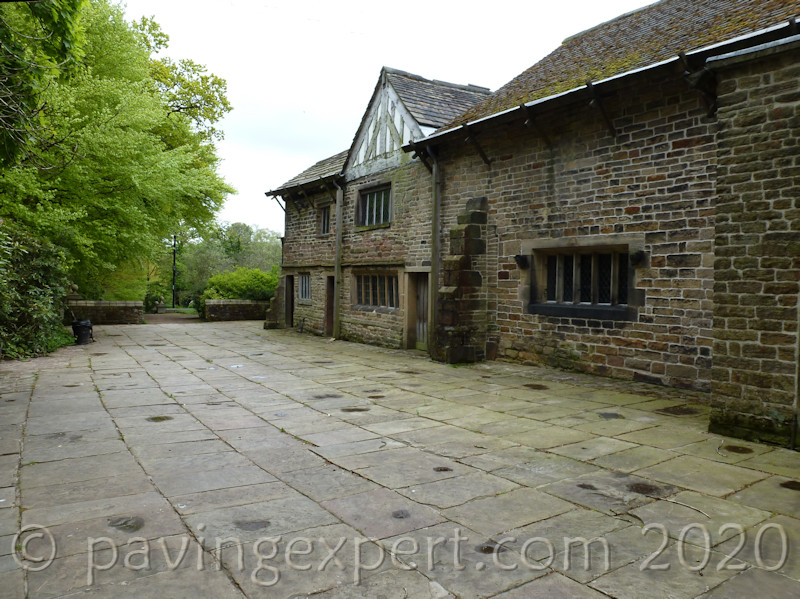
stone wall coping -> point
(218, 302)
(115, 303)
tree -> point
(220, 249)
(140, 169)
(39, 42)
(32, 290)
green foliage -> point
(155, 291)
(33, 284)
(132, 169)
(242, 283)
(222, 248)
(127, 283)
(39, 42)
(245, 283)
(184, 84)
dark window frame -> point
(325, 220)
(374, 207)
(304, 287)
(376, 290)
(593, 282)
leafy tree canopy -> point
(134, 159)
(218, 249)
(39, 41)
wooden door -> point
(289, 300)
(422, 311)
(329, 297)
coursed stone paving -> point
(222, 460)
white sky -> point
(301, 72)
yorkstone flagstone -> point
(494, 515)
(461, 560)
(386, 474)
(682, 580)
(552, 586)
(218, 498)
(772, 544)
(458, 490)
(382, 513)
(702, 475)
(543, 469)
(634, 458)
(609, 492)
(687, 515)
(775, 494)
(753, 583)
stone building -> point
(630, 206)
(358, 247)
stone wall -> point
(310, 314)
(757, 268)
(462, 307)
(228, 309)
(304, 244)
(650, 188)
(404, 243)
(104, 312)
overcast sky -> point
(301, 72)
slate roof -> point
(634, 40)
(433, 103)
(324, 168)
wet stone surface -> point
(225, 438)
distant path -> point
(172, 318)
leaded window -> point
(374, 207)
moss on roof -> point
(634, 40)
(324, 168)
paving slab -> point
(218, 498)
(609, 492)
(753, 582)
(61, 494)
(775, 494)
(516, 508)
(382, 513)
(772, 544)
(327, 482)
(699, 474)
(635, 458)
(700, 519)
(543, 469)
(552, 586)
(685, 577)
(462, 561)
(281, 446)
(252, 521)
(71, 470)
(455, 491)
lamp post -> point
(174, 268)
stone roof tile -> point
(634, 40)
(324, 168)
(434, 103)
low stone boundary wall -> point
(104, 312)
(235, 310)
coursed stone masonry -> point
(651, 188)
(757, 246)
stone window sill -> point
(376, 309)
(588, 311)
(362, 228)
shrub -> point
(33, 286)
(242, 283)
(155, 291)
